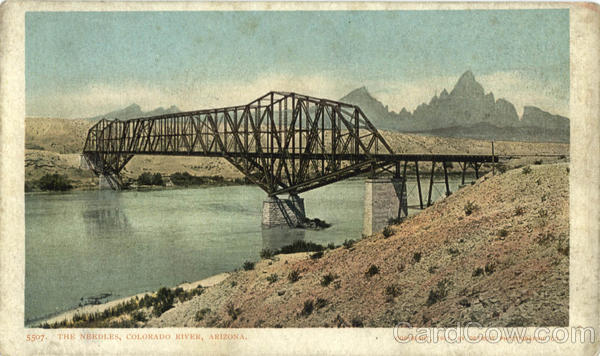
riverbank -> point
(99, 308)
(495, 252)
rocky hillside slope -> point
(495, 253)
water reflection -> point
(277, 237)
(104, 216)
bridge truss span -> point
(283, 142)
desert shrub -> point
(201, 314)
(453, 251)
(387, 232)
(393, 290)
(357, 322)
(248, 266)
(294, 276)
(470, 207)
(563, 247)
(54, 182)
(417, 257)
(348, 243)
(373, 270)
(395, 221)
(432, 269)
(157, 179)
(232, 311)
(163, 301)
(464, 302)
(266, 253)
(538, 162)
(145, 178)
(489, 268)
(477, 272)
(327, 279)
(321, 303)
(519, 210)
(331, 246)
(544, 238)
(526, 170)
(233, 284)
(503, 232)
(502, 168)
(307, 308)
(301, 246)
(438, 293)
(139, 316)
(30, 186)
(272, 278)
(316, 255)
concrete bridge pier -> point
(385, 199)
(283, 212)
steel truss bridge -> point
(283, 142)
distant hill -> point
(134, 111)
(465, 112)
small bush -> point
(294, 276)
(232, 311)
(321, 303)
(201, 314)
(266, 253)
(301, 246)
(526, 170)
(502, 168)
(477, 272)
(357, 323)
(54, 182)
(163, 301)
(489, 268)
(470, 208)
(393, 290)
(308, 308)
(316, 255)
(519, 210)
(395, 221)
(387, 232)
(327, 279)
(373, 270)
(503, 232)
(453, 251)
(432, 269)
(464, 302)
(439, 293)
(331, 246)
(417, 257)
(544, 238)
(272, 278)
(157, 179)
(348, 243)
(248, 266)
(538, 162)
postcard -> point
(299, 178)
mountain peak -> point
(467, 86)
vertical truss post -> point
(446, 179)
(476, 166)
(419, 184)
(463, 167)
(431, 183)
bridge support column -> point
(385, 199)
(283, 212)
(107, 181)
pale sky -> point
(88, 63)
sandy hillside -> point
(505, 264)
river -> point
(87, 243)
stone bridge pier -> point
(283, 212)
(385, 199)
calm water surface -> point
(82, 244)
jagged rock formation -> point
(134, 111)
(467, 111)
